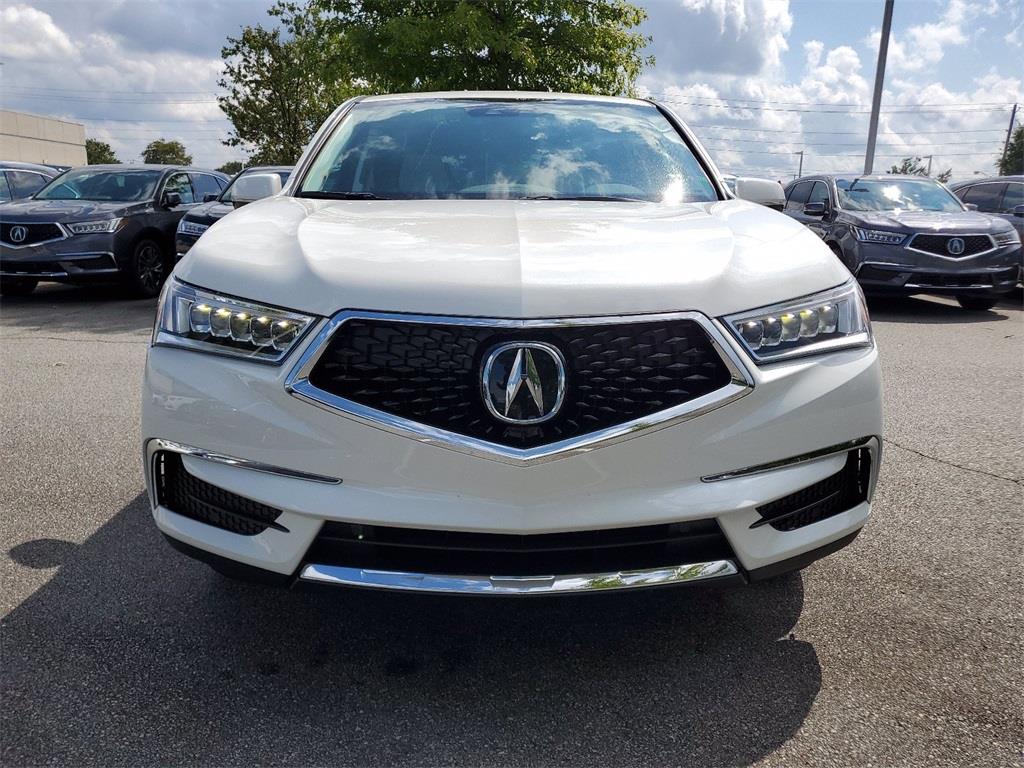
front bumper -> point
(291, 451)
(72, 259)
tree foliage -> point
(282, 83)
(163, 152)
(1011, 162)
(231, 167)
(914, 166)
(99, 153)
(581, 46)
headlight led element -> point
(192, 228)
(824, 322)
(877, 236)
(196, 319)
(94, 227)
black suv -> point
(909, 234)
(101, 223)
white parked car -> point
(507, 343)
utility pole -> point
(876, 99)
(801, 171)
(1009, 132)
(929, 171)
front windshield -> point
(228, 195)
(495, 149)
(895, 195)
(122, 186)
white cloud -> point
(31, 35)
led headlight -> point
(192, 228)
(827, 321)
(94, 227)
(196, 319)
(1004, 239)
(877, 236)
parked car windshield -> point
(487, 149)
(228, 194)
(895, 195)
(123, 186)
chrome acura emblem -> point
(18, 234)
(955, 246)
(523, 382)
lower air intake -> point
(187, 495)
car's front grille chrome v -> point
(700, 371)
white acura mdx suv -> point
(510, 343)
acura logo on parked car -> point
(18, 234)
(524, 382)
(955, 246)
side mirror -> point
(1018, 211)
(209, 197)
(761, 191)
(255, 186)
(171, 200)
(971, 206)
(815, 209)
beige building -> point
(34, 139)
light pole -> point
(801, 171)
(929, 171)
(876, 99)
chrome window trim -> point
(64, 236)
(155, 444)
(517, 585)
(297, 383)
(914, 236)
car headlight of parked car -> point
(827, 321)
(877, 236)
(191, 228)
(195, 319)
(94, 227)
(1004, 239)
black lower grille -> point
(431, 373)
(28, 234)
(939, 244)
(491, 554)
(837, 493)
(963, 280)
(187, 495)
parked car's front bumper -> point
(78, 258)
(236, 428)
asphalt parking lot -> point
(904, 649)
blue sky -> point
(758, 79)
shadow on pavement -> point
(159, 660)
(60, 309)
(931, 310)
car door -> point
(205, 185)
(797, 199)
(1013, 198)
(25, 183)
(819, 224)
(179, 183)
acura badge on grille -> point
(523, 382)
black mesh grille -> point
(938, 244)
(34, 233)
(490, 554)
(430, 373)
(837, 493)
(189, 496)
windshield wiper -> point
(592, 198)
(317, 195)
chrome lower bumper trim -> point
(869, 442)
(517, 585)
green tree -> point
(582, 46)
(99, 153)
(162, 152)
(231, 167)
(914, 166)
(1011, 162)
(282, 83)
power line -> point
(953, 108)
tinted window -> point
(5, 190)
(204, 185)
(987, 197)
(819, 193)
(25, 183)
(476, 148)
(92, 184)
(895, 195)
(179, 183)
(228, 195)
(1014, 196)
(798, 196)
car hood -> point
(208, 213)
(504, 258)
(63, 210)
(952, 222)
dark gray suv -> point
(909, 234)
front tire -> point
(977, 303)
(17, 286)
(146, 269)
